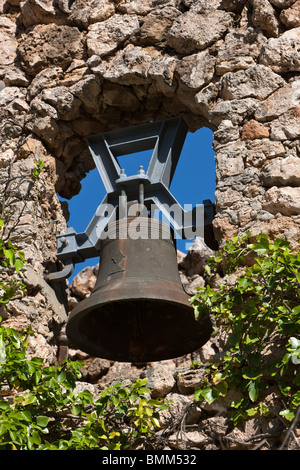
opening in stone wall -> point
(194, 181)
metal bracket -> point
(166, 138)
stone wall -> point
(72, 68)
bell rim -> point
(85, 307)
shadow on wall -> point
(194, 181)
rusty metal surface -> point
(138, 310)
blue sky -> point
(193, 181)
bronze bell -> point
(138, 311)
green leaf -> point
(222, 388)
(34, 440)
(262, 247)
(287, 414)
(115, 400)
(61, 377)
(252, 411)
(253, 391)
(133, 397)
(251, 373)
(208, 394)
(296, 310)
(26, 415)
(155, 422)
(76, 410)
(42, 421)
(244, 282)
(4, 405)
(18, 265)
(142, 382)
(14, 337)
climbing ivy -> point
(41, 410)
(260, 315)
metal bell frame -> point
(166, 138)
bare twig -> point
(291, 430)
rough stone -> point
(180, 404)
(47, 78)
(38, 346)
(66, 104)
(141, 7)
(239, 51)
(130, 66)
(283, 200)
(76, 72)
(96, 369)
(195, 260)
(195, 71)
(279, 226)
(195, 282)
(84, 282)
(235, 110)
(268, 148)
(188, 380)
(32, 279)
(105, 37)
(86, 12)
(8, 95)
(282, 54)
(156, 25)
(228, 198)
(8, 42)
(230, 161)
(264, 17)
(282, 172)
(161, 71)
(287, 126)
(82, 386)
(254, 130)
(49, 45)
(63, 5)
(160, 379)
(201, 6)
(41, 11)
(291, 16)
(44, 127)
(87, 90)
(190, 439)
(13, 76)
(120, 97)
(279, 102)
(225, 133)
(256, 82)
(193, 32)
(259, 153)
(205, 100)
(282, 3)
